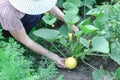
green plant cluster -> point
(15, 66)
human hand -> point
(74, 28)
(60, 62)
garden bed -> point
(84, 72)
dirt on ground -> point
(84, 72)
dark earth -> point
(84, 72)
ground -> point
(84, 72)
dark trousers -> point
(29, 21)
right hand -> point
(60, 62)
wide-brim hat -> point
(33, 7)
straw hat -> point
(33, 7)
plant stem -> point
(89, 65)
(67, 51)
(84, 9)
(97, 55)
(58, 49)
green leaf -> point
(88, 29)
(78, 34)
(88, 6)
(63, 42)
(71, 18)
(49, 19)
(64, 29)
(115, 52)
(117, 73)
(100, 44)
(70, 8)
(60, 3)
(99, 23)
(93, 12)
(84, 42)
(75, 2)
(85, 22)
(101, 75)
(47, 34)
(60, 77)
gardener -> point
(18, 17)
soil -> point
(84, 72)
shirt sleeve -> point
(10, 20)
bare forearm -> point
(39, 49)
(22, 37)
(57, 13)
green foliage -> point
(98, 35)
(60, 77)
(115, 51)
(101, 75)
(100, 44)
(47, 69)
(75, 2)
(71, 18)
(14, 66)
(88, 29)
(49, 19)
(47, 34)
(88, 3)
(117, 73)
(70, 8)
(84, 42)
(70, 11)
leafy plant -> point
(14, 66)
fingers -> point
(60, 62)
(61, 65)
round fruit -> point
(70, 63)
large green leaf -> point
(101, 75)
(100, 44)
(88, 29)
(115, 52)
(47, 34)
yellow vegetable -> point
(70, 63)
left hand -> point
(74, 28)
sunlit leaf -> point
(100, 44)
(115, 52)
(101, 75)
(47, 34)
